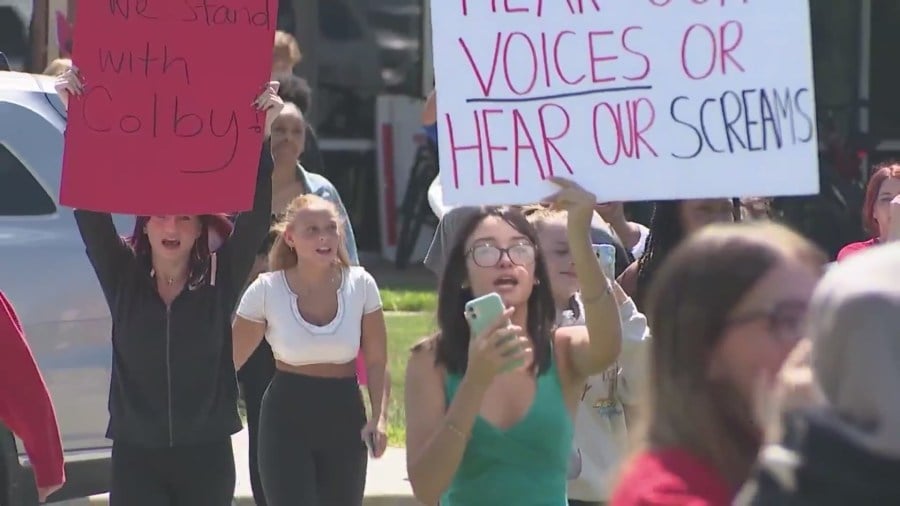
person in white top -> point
(632, 234)
(601, 434)
(316, 311)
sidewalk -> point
(386, 483)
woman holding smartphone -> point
(479, 429)
(173, 395)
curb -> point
(391, 500)
(386, 483)
(378, 500)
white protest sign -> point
(634, 99)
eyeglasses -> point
(784, 320)
(488, 255)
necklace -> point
(169, 280)
(306, 290)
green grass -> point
(408, 300)
(404, 329)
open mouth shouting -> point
(505, 283)
(171, 244)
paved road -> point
(386, 483)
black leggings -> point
(310, 450)
(189, 475)
(255, 376)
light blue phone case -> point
(606, 255)
(481, 313)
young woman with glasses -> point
(481, 430)
(725, 309)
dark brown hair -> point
(198, 262)
(666, 232)
(452, 340)
(690, 299)
(295, 90)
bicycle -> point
(414, 211)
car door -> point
(44, 271)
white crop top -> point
(295, 341)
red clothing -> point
(671, 477)
(855, 247)
(25, 405)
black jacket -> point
(173, 380)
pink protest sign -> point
(635, 100)
(166, 123)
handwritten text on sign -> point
(635, 99)
(166, 123)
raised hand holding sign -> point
(168, 116)
(634, 100)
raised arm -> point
(250, 228)
(591, 349)
(597, 347)
(109, 254)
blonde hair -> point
(286, 47)
(538, 214)
(58, 67)
(282, 256)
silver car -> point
(46, 275)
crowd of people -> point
(720, 358)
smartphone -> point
(370, 444)
(606, 255)
(482, 312)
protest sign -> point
(166, 124)
(634, 99)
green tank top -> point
(525, 465)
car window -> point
(20, 193)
